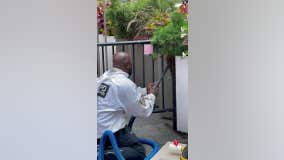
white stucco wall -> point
(236, 80)
(182, 93)
(47, 80)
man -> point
(118, 97)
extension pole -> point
(132, 119)
(162, 77)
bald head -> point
(122, 60)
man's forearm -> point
(147, 102)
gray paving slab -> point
(158, 128)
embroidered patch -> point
(103, 89)
(143, 100)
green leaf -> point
(154, 56)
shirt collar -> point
(117, 70)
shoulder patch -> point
(103, 89)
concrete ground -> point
(158, 127)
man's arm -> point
(137, 101)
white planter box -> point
(182, 93)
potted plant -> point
(168, 40)
(171, 41)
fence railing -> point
(145, 69)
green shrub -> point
(148, 15)
(168, 40)
(120, 14)
(130, 19)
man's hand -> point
(150, 88)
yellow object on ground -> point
(184, 155)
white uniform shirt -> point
(118, 96)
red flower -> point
(184, 8)
(176, 142)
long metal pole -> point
(162, 77)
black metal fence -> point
(145, 70)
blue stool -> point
(109, 134)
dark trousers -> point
(129, 145)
